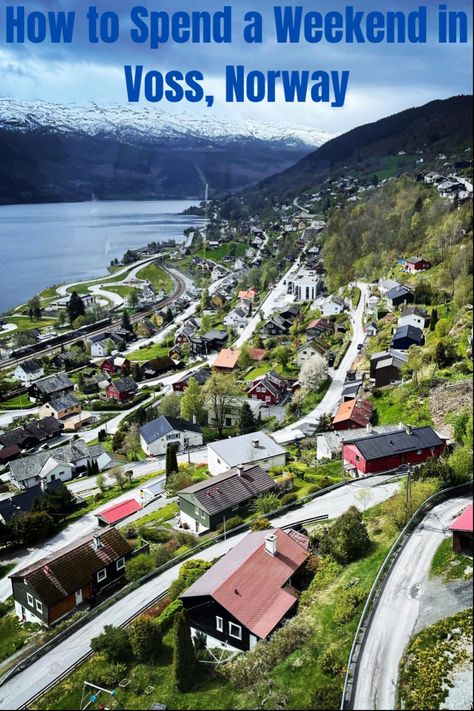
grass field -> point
(157, 350)
(12, 635)
(24, 323)
(17, 403)
(237, 249)
(158, 278)
(449, 565)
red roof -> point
(464, 521)
(250, 583)
(120, 511)
(258, 354)
(358, 411)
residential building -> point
(255, 448)
(320, 327)
(122, 390)
(201, 376)
(67, 409)
(386, 452)
(276, 326)
(371, 329)
(157, 435)
(386, 367)
(28, 371)
(416, 264)
(53, 385)
(386, 285)
(462, 532)
(237, 318)
(118, 512)
(249, 592)
(231, 416)
(206, 505)
(333, 306)
(305, 285)
(214, 340)
(32, 435)
(353, 414)
(329, 444)
(116, 364)
(158, 366)
(226, 361)
(400, 295)
(270, 388)
(413, 316)
(406, 336)
(19, 504)
(314, 350)
(248, 294)
(53, 587)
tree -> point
(137, 373)
(192, 402)
(170, 406)
(126, 324)
(347, 539)
(189, 573)
(81, 382)
(184, 656)
(33, 527)
(245, 359)
(283, 355)
(261, 524)
(117, 440)
(119, 477)
(145, 639)
(172, 460)
(247, 421)
(34, 308)
(434, 318)
(133, 299)
(136, 568)
(58, 503)
(313, 374)
(75, 307)
(114, 643)
(265, 503)
(100, 483)
(445, 353)
(62, 318)
(220, 391)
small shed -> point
(462, 532)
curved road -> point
(398, 610)
(21, 688)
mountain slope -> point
(58, 153)
(420, 133)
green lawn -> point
(24, 323)
(158, 278)
(160, 516)
(17, 403)
(258, 371)
(449, 565)
(402, 403)
(5, 569)
(12, 635)
(156, 350)
(217, 255)
(123, 291)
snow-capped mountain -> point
(147, 123)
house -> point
(329, 444)
(386, 452)
(371, 329)
(276, 326)
(19, 504)
(406, 336)
(258, 354)
(333, 306)
(32, 435)
(122, 390)
(237, 318)
(62, 463)
(270, 388)
(214, 340)
(400, 295)
(206, 505)
(115, 364)
(248, 294)
(50, 589)
(413, 316)
(158, 366)
(462, 532)
(353, 414)
(416, 264)
(255, 448)
(151, 492)
(320, 327)
(386, 367)
(314, 350)
(187, 331)
(386, 285)
(291, 313)
(230, 417)
(67, 409)
(350, 391)
(201, 376)
(219, 272)
(249, 592)
(117, 512)
(8, 454)
(46, 388)
(28, 371)
(157, 435)
(226, 361)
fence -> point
(378, 586)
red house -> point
(270, 389)
(417, 264)
(385, 452)
(122, 390)
(353, 414)
(115, 364)
(462, 532)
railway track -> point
(180, 290)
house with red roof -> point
(462, 532)
(118, 512)
(250, 592)
(353, 414)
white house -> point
(413, 316)
(234, 406)
(333, 306)
(386, 285)
(236, 318)
(311, 351)
(156, 436)
(28, 372)
(99, 349)
(255, 448)
(305, 286)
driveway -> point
(399, 609)
(21, 688)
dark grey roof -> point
(64, 402)
(29, 467)
(398, 291)
(414, 311)
(229, 489)
(125, 384)
(215, 335)
(201, 376)
(400, 442)
(163, 425)
(408, 331)
(54, 384)
(40, 430)
(31, 366)
(21, 503)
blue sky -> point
(384, 78)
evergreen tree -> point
(145, 639)
(126, 324)
(75, 307)
(184, 657)
(247, 421)
(434, 318)
(171, 460)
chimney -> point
(44, 485)
(271, 544)
(256, 443)
(240, 470)
(409, 429)
(96, 542)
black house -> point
(46, 388)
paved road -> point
(398, 610)
(63, 290)
(21, 688)
(333, 396)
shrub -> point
(106, 673)
(166, 619)
(266, 503)
(231, 523)
(184, 657)
(330, 661)
(156, 535)
(163, 554)
(136, 568)
(347, 604)
(287, 499)
(113, 643)
(327, 698)
(347, 539)
(188, 574)
(186, 539)
(261, 524)
(158, 609)
(145, 639)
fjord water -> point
(42, 245)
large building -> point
(255, 448)
(249, 592)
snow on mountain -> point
(147, 123)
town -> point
(219, 461)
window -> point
(357, 458)
(101, 575)
(235, 631)
(219, 624)
(29, 598)
(120, 564)
(173, 436)
(39, 606)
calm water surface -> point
(42, 245)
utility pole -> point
(408, 496)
